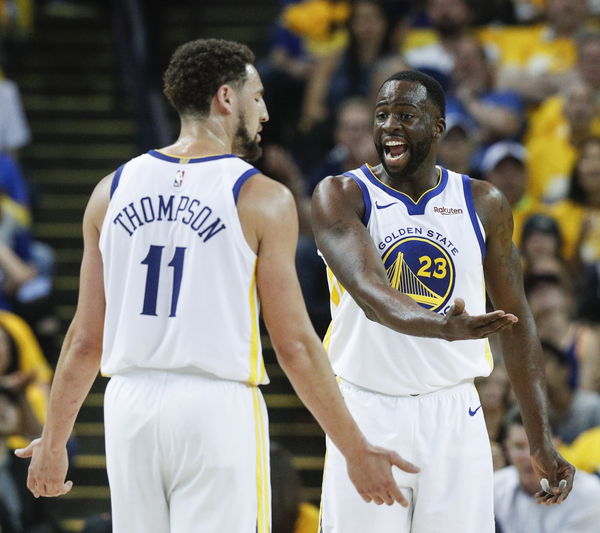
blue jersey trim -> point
(473, 214)
(174, 159)
(413, 208)
(237, 186)
(365, 194)
(115, 180)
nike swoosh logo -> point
(472, 413)
(384, 206)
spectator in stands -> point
(382, 70)
(433, 51)
(494, 392)
(552, 155)
(579, 215)
(353, 137)
(553, 307)
(542, 249)
(515, 507)
(504, 165)
(348, 73)
(297, 42)
(574, 411)
(14, 130)
(588, 60)
(589, 301)
(22, 365)
(498, 114)
(457, 148)
(536, 61)
(19, 511)
(584, 451)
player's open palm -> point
(47, 471)
(460, 325)
(372, 476)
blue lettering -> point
(150, 207)
(191, 212)
(183, 202)
(197, 223)
(133, 216)
(118, 220)
(211, 230)
(165, 210)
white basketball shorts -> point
(186, 453)
(444, 434)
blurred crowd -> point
(522, 79)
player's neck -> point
(416, 183)
(199, 138)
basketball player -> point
(408, 244)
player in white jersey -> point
(180, 245)
(408, 246)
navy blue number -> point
(153, 261)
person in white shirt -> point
(515, 506)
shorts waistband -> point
(463, 385)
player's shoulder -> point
(338, 189)
(263, 197)
(490, 204)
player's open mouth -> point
(395, 150)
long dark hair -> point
(13, 364)
(355, 70)
(576, 191)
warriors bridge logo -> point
(421, 269)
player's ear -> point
(439, 127)
(224, 99)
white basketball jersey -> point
(179, 276)
(433, 251)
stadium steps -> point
(69, 82)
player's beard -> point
(245, 146)
(418, 154)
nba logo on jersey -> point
(178, 181)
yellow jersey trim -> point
(403, 193)
(257, 366)
(262, 471)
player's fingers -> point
(403, 464)
(67, 487)
(387, 497)
(457, 307)
(378, 500)
(396, 493)
(365, 497)
(487, 327)
(26, 452)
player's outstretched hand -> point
(459, 325)
(47, 471)
(371, 473)
(556, 476)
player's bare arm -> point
(344, 241)
(270, 223)
(520, 346)
(78, 364)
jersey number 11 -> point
(153, 262)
